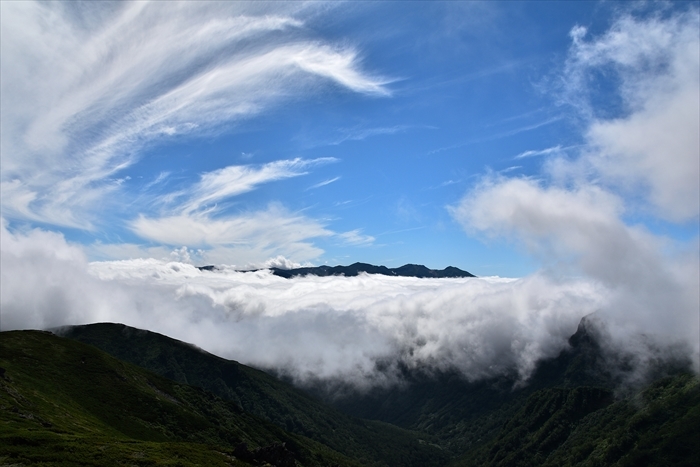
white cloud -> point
(237, 179)
(84, 89)
(321, 327)
(323, 183)
(281, 262)
(542, 152)
(237, 239)
(356, 237)
(573, 217)
(361, 133)
(654, 147)
(246, 239)
(579, 232)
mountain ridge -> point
(352, 270)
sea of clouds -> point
(330, 328)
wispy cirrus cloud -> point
(361, 133)
(237, 179)
(356, 238)
(126, 75)
(248, 237)
(357, 133)
(541, 152)
(192, 218)
(503, 134)
(324, 183)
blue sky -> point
(330, 133)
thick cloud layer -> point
(326, 327)
(311, 327)
(643, 161)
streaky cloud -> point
(128, 75)
(237, 179)
(541, 152)
(324, 183)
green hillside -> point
(657, 426)
(258, 393)
(63, 402)
(465, 416)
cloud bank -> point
(308, 327)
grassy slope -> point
(66, 403)
(568, 415)
(658, 426)
(263, 395)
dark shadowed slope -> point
(656, 426)
(466, 416)
(263, 395)
(63, 402)
(571, 412)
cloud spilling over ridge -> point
(85, 87)
(311, 327)
(337, 328)
(643, 159)
(580, 231)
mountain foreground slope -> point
(125, 406)
(66, 403)
(570, 412)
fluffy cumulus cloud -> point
(573, 217)
(579, 230)
(652, 147)
(309, 327)
(85, 87)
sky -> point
(550, 148)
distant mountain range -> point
(109, 394)
(407, 270)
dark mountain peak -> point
(587, 333)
